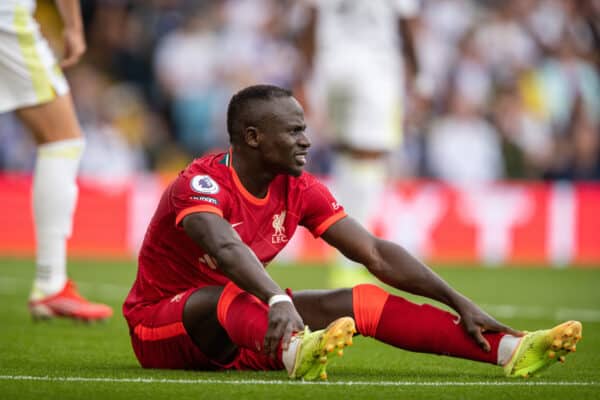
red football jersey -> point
(170, 262)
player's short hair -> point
(239, 112)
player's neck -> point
(254, 179)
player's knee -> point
(337, 303)
(368, 301)
(201, 305)
(53, 121)
(226, 297)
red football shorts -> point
(161, 341)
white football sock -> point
(289, 356)
(358, 186)
(54, 198)
(506, 348)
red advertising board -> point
(518, 223)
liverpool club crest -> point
(279, 235)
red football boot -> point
(70, 304)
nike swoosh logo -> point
(236, 224)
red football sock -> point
(423, 328)
(244, 317)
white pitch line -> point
(201, 381)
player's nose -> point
(303, 140)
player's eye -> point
(297, 131)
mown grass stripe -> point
(211, 381)
(8, 286)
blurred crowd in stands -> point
(506, 89)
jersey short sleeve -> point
(320, 208)
(198, 192)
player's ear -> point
(251, 136)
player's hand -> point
(476, 321)
(74, 42)
(284, 320)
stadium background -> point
(152, 91)
(534, 88)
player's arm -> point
(407, 27)
(73, 35)
(306, 39)
(239, 263)
(393, 265)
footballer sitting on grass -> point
(203, 300)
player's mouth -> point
(300, 157)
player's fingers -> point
(74, 48)
(285, 339)
(274, 339)
(478, 336)
(66, 62)
(269, 339)
(71, 58)
(69, 61)
(511, 331)
(268, 344)
(498, 327)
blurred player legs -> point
(356, 52)
(360, 183)
(365, 120)
(34, 87)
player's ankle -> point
(43, 289)
(506, 348)
(288, 357)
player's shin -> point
(243, 316)
(245, 319)
(54, 198)
(422, 328)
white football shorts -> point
(363, 102)
(29, 73)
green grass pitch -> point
(68, 360)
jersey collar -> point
(228, 161)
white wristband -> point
(278, 298)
